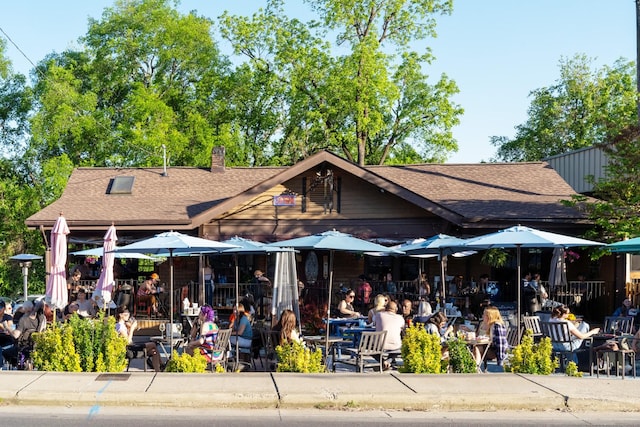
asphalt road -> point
(145, 417)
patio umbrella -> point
(99, 252)
(334, 241)
(439, 245)
(285, 285)
(104, 286)
(244, 246)
(174, 244)
(56, 290)
(558, 270)
(627, 246)
(524, 237)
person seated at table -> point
(241, 330)
(286, 326)
(407, 311)
(126, 326)
(493, 324)
(389, 320)
(437, 325)
(73, 284)
(379, 305)
(345, 307)
(87, 308)
(204, 330)
(6, 327)
(69, 310)
(623, 310)
(147, 291)
(580, 332)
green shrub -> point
(572, 370)
(80, 345)
(461, 360)
(421, 352)
(187, 363)
(295, 357)
(54, 350)
(530, 358)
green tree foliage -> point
(584, 108)
(149, 78)
(363, 97)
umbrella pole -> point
(171, 298)
(443, 278)
(326, 343)
(518, 274)
(237, 320)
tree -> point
(149, 78)
(18, 199)
(365, 102)
(584, 108)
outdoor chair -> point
(533, 323)
(369, 353)
(133, 352)
(560, 336)
(218, 352)
(618, 325)
(623, 356)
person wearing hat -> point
(147, 291)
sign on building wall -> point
(284, 200)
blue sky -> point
(497, 51)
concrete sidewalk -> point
(447, 392)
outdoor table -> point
(485, 342)
(162, 344)
(335, 323)
(320, 340)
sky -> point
(497, 51)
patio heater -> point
(25, 260)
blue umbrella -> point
(175, 244)
(439, 245)
(100, 251)
(525, 237)
(334, 241)
(628, 246)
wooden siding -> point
(357, 199)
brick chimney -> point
(217, 159)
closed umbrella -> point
(174, 244)
(56, 290)
(104, 287)
(285, 285)
(334, 241)
(558, 270)
(525, 237)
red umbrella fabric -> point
(56, 292)
(104, 287)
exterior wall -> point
(357, 208)
(573, 167)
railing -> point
(632, 290)
(576, 292)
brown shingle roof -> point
(461, 193)
(488, 190)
